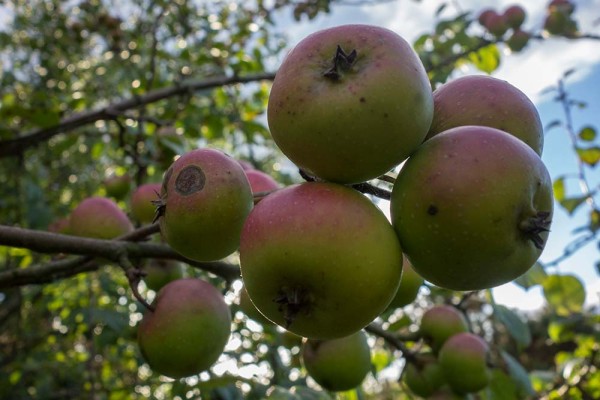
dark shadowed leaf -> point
(518, 329)
(534, 276)
(565, 294)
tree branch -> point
(15, 147)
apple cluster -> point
(470, 207)
(510, 20)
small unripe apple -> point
(518, 40)
(205, 199)
(488, 101)
(319, 259)
(409, 286)
(484, 15)
(463, 361)
(188, 329)
(338, 364)
(100, 218)
(117, 186)
(143, 207)
(349, 103)
(161, 272)
(440, 323)
(423, 376)
(564, 6)
(514, 16)
(496, 24)
(261, 182)
(472, 208)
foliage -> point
(93, 87)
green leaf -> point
(565, 294)
(381, 359)
(589, 156)
(501, 387)
(518, 329)
(518, 374)
(572, 203)
(486, 59)
(534, 276)
(558, 187)
(587, 133)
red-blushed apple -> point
(496, 25)
(338, 364)
(423, 375)
(472, 208)
(349, 103)
(205, 199)
(100, 218)
(261, 182)
(319, 259)
(484, 15)
(488, 101)
(409, 286)
(439, 323)
(60, 225)
(188, 329)
(463, 361)
(143, 208)
(514, 16)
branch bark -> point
(15, 147)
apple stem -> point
(532, 227)
(291, 302)
(160, 207)
(341, 62)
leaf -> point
(565, 294)
(558, 187)
(381, 359)
(594, 220)
(440, 9)
(590, 155)
(486, 59)
(572, 203)
(534, 276)
(519, 375)
(587, 133)
(553, 124)
(501, 387)
(518, 329)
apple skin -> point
(161, 272)
(485, 14)
(424, 377)
(142, 208)
(496, 24)
(439, 323)
(99, 218)
(250, 309)
(514, 16)
(187, 331)
(337, 364)
(488, 101)
(518, 40)
(261, 182)
(409, 286)
(463, 361)
(361, 124)
(205, 199)
(117, 186)
(328, 247)
(60, 225)
(472, 208)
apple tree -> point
(188, 212)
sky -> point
(537, 68)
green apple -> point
(319, 259)
(439, 323)
(117, 186)
(349, 103)
(518, 40)
(143, 208)
(337, 364)
(188, 329)
(423, 375)
(514, 16)
(472, 208)
(100, 218)
(250, 310)
(488, 101)
(205, 199)
(463, 361)
(161, 272)
(409, 286)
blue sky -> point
(537, 68)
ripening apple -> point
(250, 310)
(518, 40)
(349, 103)
(514, 16)
(409, 286)
(319, 259)
(117, 186)
(488, 101)
(485, 14)
(188, 329)
(161, 272)
(143, 209)
(337, 364)
(496, 24)
(463, 361)
(60, 225)
(261, 182)
(439, 323)
(423, 375)
(100, 218)
(205, 199)
(472, 208)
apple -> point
(514, 16)
(349, 103)
(60, 225)
(472, 208)
(250, 310)
(518, 40)
(143, 197)
(463, 361)
(337, 364)
(488, 101)
(205, 199)
(409, 286)
(117, 186)
(261, 182)
(484, 15)
(423, 376)
(564, 6)
(319, 259)
(161, 272)
(99, 218)
(439, 323)
(496, 24)
(188, 329)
